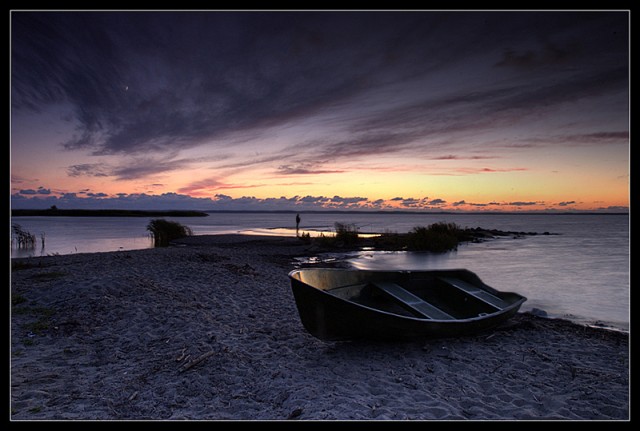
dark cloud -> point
(305, 169)
(17, 179)
(417, 203)
(382, 142)
(548, 54)
(455, 157)
(436, 202)
(141, 167)
(471, 113)
(30, 198)
(522, 204)
(475, 204)
(137, 167)
(28, 192)
(141, 82)
(87, 169)
(148, 81)
(577, 139)
(39, 191)
(207, 185)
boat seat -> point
(411, 301)
(482, 295)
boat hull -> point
(328, 316)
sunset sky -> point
(416, 110)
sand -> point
(209, 331)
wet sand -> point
(209, 331)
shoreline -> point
(208, 330)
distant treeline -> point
(105, 213)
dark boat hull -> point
(328, 316)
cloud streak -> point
(161, 81)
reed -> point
(165, 231)
(346, 233)
(437, 237)
(22, 238)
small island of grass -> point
(438, 237)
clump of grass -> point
(437, 237)
(323, 240)
(347, 234)
(42, 316)
(17, 299)
(22, 238)
(305, 237)
(165, 231)
(21, 264)
(390, 240)
(48, 276)
(39, 312)
(38, 326)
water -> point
(581, 274)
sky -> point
(296, 110)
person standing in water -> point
(297, 224)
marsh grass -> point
(165, 231)
(18, 299)
(20, 264)
(323, 240)
(391, 240)
(48, 276)
(346, 234)
(40, 312)
(21, 238)
(39, 326)
(42, 316)
(305, 237)
(437, 237)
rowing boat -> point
(338, 304)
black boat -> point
(338, 304)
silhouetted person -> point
(297, 223)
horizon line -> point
(351, 211)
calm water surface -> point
(581, 274)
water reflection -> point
(552, 276)
(282, 231)
(400, 260)
(89, 245)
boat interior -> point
(435, 296)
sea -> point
(576, 267)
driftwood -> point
(196, 361)
(182, 355)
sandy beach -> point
(208, 330)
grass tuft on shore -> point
(165, 231)
(437, 237)
(21, 238)
(346, 234)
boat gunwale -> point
(505, 310)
